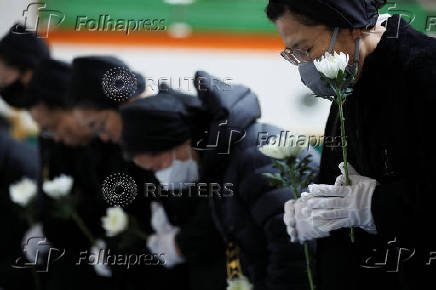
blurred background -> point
(168, 40)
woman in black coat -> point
(97, 106)
(210, 145)
(388, 119)
(68, 148)
(17, 160)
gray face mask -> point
(311, 77)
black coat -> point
(198, 239)
(252, 216)
(89, 166)
(17, 160)
(389, 121)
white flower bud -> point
(115, 221)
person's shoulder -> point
(404, 43)
(422, 63)
(420, 74)
(248, 141)
(417, 46)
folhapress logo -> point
(430, 25)
(106, 23)
(38, 254)
(39, 19)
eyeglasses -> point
(295, 56)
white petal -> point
(115, 221)
(23, 191)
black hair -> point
(49, 85)
(22, 68)
(22, 48)
(276, 9)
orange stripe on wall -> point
(217, 40)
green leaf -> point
(341, 77)
(275, 179)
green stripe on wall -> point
(202, 15)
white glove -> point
(340, 180)
(298, 220)
(36, 246)
(159, 219)
(164, 243)
(100, 268)
(343, 206)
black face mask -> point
(14, 94)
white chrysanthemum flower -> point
(23, 191)
(59, 186)
(240, 283)
(279, 151)
(330, 64)
(115, 221)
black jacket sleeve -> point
(17, 159)
(405, 208)
(285, 267)
(198, 238)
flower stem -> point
(81, 224)
(295, 192)
(308, 268)
(36, 280)
(344, 142)
(140, 234)
(28, 218)
(344, 148)
(306, 252)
